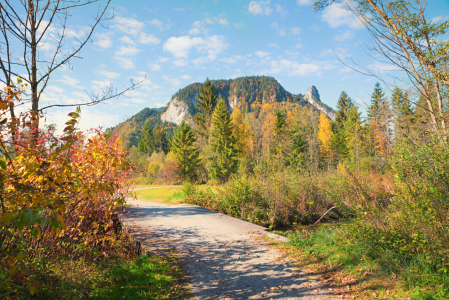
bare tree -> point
(25, 26)
(402, 37)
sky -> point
(170, 44)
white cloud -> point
(439, 19)
(335, 15)
(221, 21)
(107, 74)
(148, 38)
(345, 36)
(260, 7)
(76, 34)
(180, 62)
(125, 63)
(127, 51)
(104, 40)
(155, 67)
(194, 31)
(127, 40)
(70, 81)
(54, 89)
(295, 30)
(172, 81)
(128, 25)
(273, 45)
(46, 46)
(181, 46)
(232, 60)
(280, 31)
(379, 67)
(261, 53)
(162, 59)
(186, 77)
(293, 68)
(304, 2)
(239, 25)
(280, 10)
(159, 24)
(209, 21)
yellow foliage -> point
(325, 135)
(241, 131)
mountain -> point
(130, 130)
(247, 93)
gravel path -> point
(223, 259)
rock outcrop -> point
(176, 111)
(313, 97)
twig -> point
(324, 214)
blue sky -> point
(175, 43)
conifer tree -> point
(146, 143)
(160, 139)
(185, 152)
(280, 143)
(379, 111)
(224, 159)
(403, 112)
(205, 103)
(298, 148)
(354, 134)
(343, 106)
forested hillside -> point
(248, 93)
(130, 130)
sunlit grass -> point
(169, 195)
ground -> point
(224, 258)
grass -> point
(352, 268)
(168, 195)
(145, 277)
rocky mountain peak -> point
(312, 93)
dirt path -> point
(222, 257)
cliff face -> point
(313, 97)
(176, 111)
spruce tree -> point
(205, 103)
(379, 111)
(402, 110)
(280, 143)
(224, 159)
(146, 143)
(160, 139)
(185, 152)
(343, 106)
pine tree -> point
(205, 103)
(146, 143)
(343, 106)
(224, 159)
(185, 152)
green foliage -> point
(297, 151)
(344, 104)
(185, 151)
(224, 159)
(206, 100)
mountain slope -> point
(247, 93)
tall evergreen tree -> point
(403, 112)
(146, 143)
(343, 106)
(185, 152)
(280, 141)
(160, 139)
(224, 159)
(205, 103)
(379, 111)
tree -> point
(325, 136)
(224, 160)
(344, 104)
(280, 141)
(161, 143)
(26, 26)
(185, 152)
(354, 134)
(205, 103)
(296, 155)
(405, 39)
(146, 143)
(379, 112)
(403, 112)
(241, 131)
